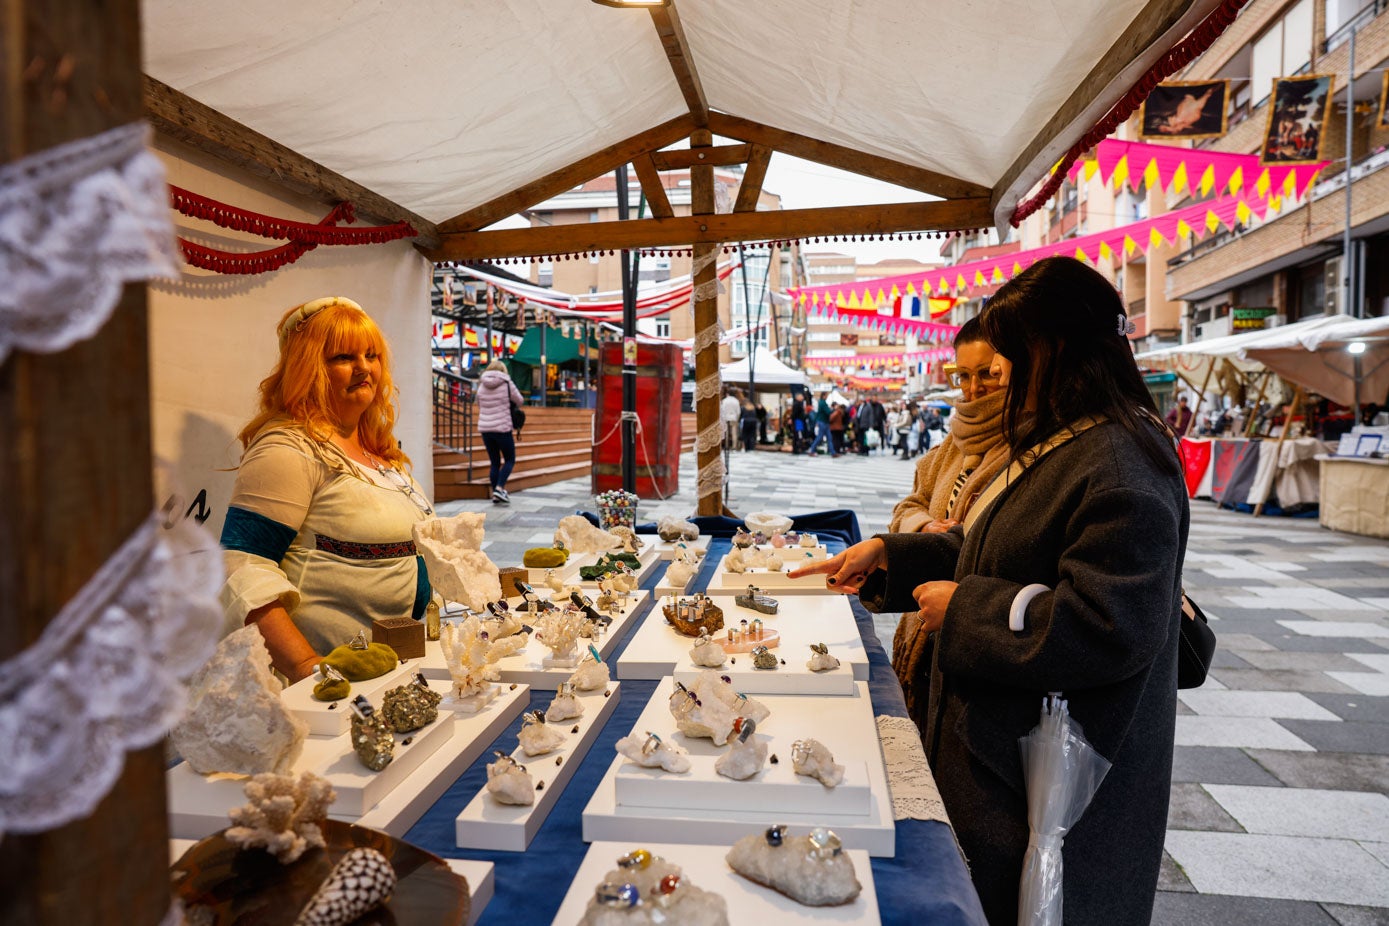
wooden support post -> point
(1278, 448)
(75, 478)
(1200, 399)
(706, 317)
(1254, 412)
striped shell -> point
(361, 881)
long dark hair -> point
(1059, 323)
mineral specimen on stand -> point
(650, 751)
(662, 895)
(411, 707)
(565, 706)
(452, 551)
(362, 880)
(746, 754)
(577, 535)
(371, 738)
(282, 815)
(814, 760)
(672, 529)
(509, 782)
(812, 870)
(706, 653)
(680, 572)
(591, 674)
(538, 737)
(236, 721)
(631, 543)
(820, 659)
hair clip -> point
(1126, 327)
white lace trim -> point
(78, 222)
(104, 677)
(914, 794)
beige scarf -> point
(975, 447)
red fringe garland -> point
(1177, 57)
(304, 236)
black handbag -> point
(1195, 646)
(518, 418)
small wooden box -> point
(405, 635)
(509, 576)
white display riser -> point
(479, 875)
(657, 650)
(669, 551)
(666, 587)
(724, 582)
(569, 572)
(527, 666)
(332, 718)
(845, 725)
(705, 867)
(487, 824)
(398, 795)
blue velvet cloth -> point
(926, 882)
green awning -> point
(558, 348)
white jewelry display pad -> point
(479, 875)
(390, 800)
(332, 718)
(669, 550)
(657, 650)
(527, 666)
(845, 725)
(724, 582)
(705, 867)
(648, 558)
(487, 824)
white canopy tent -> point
(766, 371)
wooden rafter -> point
(1159, 26)
(717, 156)
(750, 190)
(682, 231)
(566, 178)
(858, 162)
(672, 33)
(184, 119)
(651, 185)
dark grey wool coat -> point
(1105, 528)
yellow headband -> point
(296, 319)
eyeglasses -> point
(961, 378)
(407, 488)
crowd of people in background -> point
(862, 426)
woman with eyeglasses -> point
(318, 536)
(1064, 577)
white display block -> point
(845, 725)
(705, 867)
(648, 558)
(657, 650)
(665, 587)
(487, 824)
(391, 800)
(777, 788)
(332, 718)
(528, 666)
(479, 875)
(670, 550)
(724, 582)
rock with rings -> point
(646, 889)
(811, 758)
(538, 737)
(651, 751)
(820, 659)
(746, 753)
(508, 781)
(812, 869)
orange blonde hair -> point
(297, 388)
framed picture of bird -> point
(1296, 115)
(1185, 109)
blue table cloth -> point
(926, 882)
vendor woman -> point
(318, 533)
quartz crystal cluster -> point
(650, 751)
(646, 889)
(452, 551)
(577, 535)
(812, 869)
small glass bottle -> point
(431, 619)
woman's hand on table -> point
(845, 572)
(933, 598)
(938, 526)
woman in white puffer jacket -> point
(495, 395)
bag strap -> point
(1005, 477)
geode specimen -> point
(538, 737)
(813, 870)
(813, 759)
(646, 889)
(412, 706)
(236, 721)
(282, 815)
(508, 782)
(371, 738)
(650, 751)
(452, 551)
(362, 880)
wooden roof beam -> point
(651, 185)
(682, 231)
(1160, 25)
(832, 155)
(672, 33)
(182, 118)
(713, 156)
(570, 176)
(750, 190)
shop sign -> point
(1250, 319)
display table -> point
(926, 881)
(1354, 494)
(1241, 473)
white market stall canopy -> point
(454, 114)
(766, 370)
(1310, 353)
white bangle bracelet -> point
(1017, 614)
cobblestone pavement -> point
(1280, 783)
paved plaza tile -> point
(1357, 815)
(1280, 867)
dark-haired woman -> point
(1066, 576)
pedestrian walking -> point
(822, 428)
(497, 395)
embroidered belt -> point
(350, 550)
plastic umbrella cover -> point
(1063, 772)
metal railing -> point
(1354, 24)
(455, 399)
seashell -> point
(362, 880)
